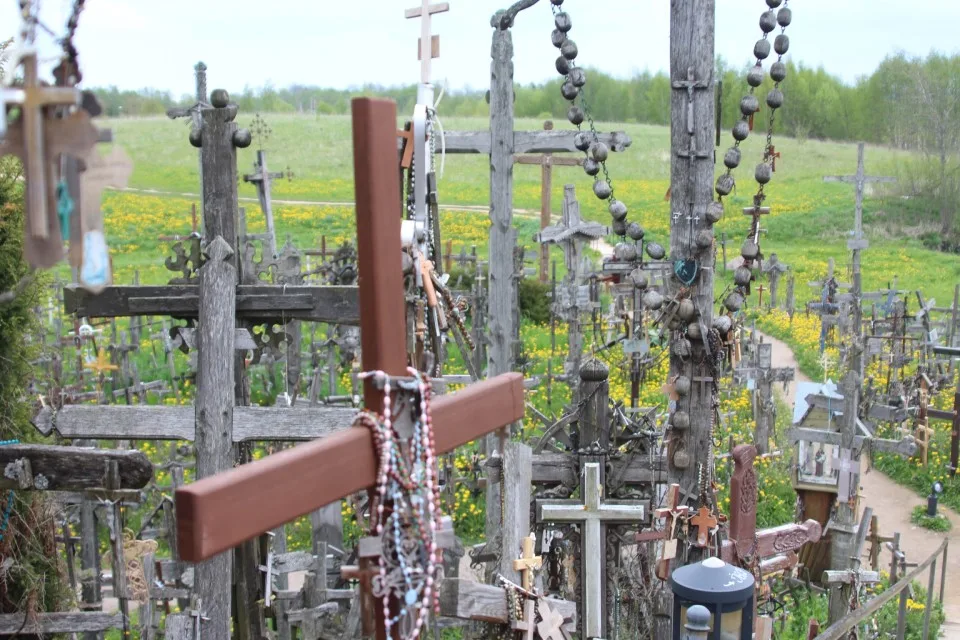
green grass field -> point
(808, 225)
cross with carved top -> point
(427, 49)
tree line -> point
(907, 102)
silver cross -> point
(676, 216)
(197, 613)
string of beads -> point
(572, 89)
(405, 512)
(749, 105)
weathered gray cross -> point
(262, 180)
(765, 374)
(591, 515)
(859, 180)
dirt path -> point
(893, 504)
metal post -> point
(943, 569)
(926, 612)
(902, 615)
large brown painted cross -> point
(294, 482)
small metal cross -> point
(198, 615)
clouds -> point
(137, 43)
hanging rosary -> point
(589, 142)
(405, 512)
(763, 173)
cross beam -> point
(299, 480)
(424, 12)
(257, 303)
(528, 141)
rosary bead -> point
(731, 159)
(562, 20)
(602, 189)
(725, 184)
(741, 130)
(680, 420)
(569, 49)
(591, 167)
(749, 105)
(742, 276)
(563, 66)
(656, 251)
(781, 44)
(582, 141)
(652, 300)
(558, 37)
(723, 324)
(755, 76)
(196, 138)
(569, 91)
(749, 250)
(625, 252)
(768, 21)
(617, 209)
(714, 212)
(763, 173)
(574, 113)
(682, 348)
(784, 16)
(778, 71)
(639, 278)
(705, 238)
(619, 227)
(635, 231)
(775, 99)
(773, 4)
(733, 302)
(687, 310)
(762, 49)
(578, 77)
(599, 151)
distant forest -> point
(881, 108)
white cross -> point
(424, 11)
(590, 514)
(847, 470)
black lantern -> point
(933, 498)
(724, 590)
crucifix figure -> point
(774, 269)
(671, 515)
(304, 478)
(591, 515)
(528, 562)
(546, 161)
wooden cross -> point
(528, 623)
(528, 562)
(859, 180)
(101, 364)
(299, 480)
(39, 139)
(590, 515)
(705, 522)
(670, 514)
(406, 155)
(427, 48)
(546, 161)
(773, 154)
(550, 626)
(262, 180)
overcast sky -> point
(333, 43)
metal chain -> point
(70, 56)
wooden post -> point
(215, 341)
(691, 178)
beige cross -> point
(424, 11)
(527, 562)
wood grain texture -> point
(528, 141)
(73, 468)
(515, 521)
(143, 422)
(471, 600)
(382, 330)
(17, 624)
(255, 302)
(296, 481)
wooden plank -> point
(529, 141)
(475, 601)
(260, 302)
(71, 468)
(143, 422)
(377, 185)
(18, 624)
(207, 521)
